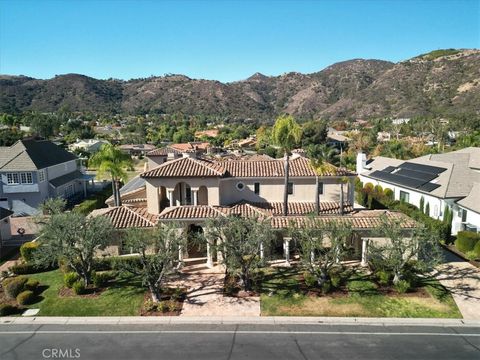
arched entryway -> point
(196, 245)
(202, 195)
(182, 194)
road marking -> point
(247, 332)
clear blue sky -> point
(222, 40)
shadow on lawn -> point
(284, 281)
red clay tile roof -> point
(249, 209)
(186, 167)
(189, 167)
(123, 217)
(358, 221)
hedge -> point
(476, 249)
(14, 286)
(94, 201)
(25, 297)
(116, 262)
(466, 241)
(27, 250)
(23, 269)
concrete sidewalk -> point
(254, 320)
(463, 281)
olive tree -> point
(241, 242)
(158, 251)
(322, 246)
(73, 239)
(404, 249)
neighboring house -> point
(88, 145)
(337, 138)
(33, 170)
(384, 136)
(136, 149)
(443, 180)
(174, 151)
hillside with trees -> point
(440, 83)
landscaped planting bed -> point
(284, 293)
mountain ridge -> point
(442, 82)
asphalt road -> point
(192, 342)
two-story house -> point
(189, 190)
(440, 180)
(34, 170)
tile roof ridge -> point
(203, 161)
(129, 208)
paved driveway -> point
(463, 281)
(205, 296)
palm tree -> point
(286, 134)
(111, 161)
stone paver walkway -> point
(463, 281)
(205, 296)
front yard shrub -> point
(384, 277)
(14, 286)
(364, 287)
(116, 262)
(326, 287)
(466, 241)
(171, 305)
(27, 250)
(7, 309)
(100, 279)
(149, 305)
(32, 285)
(309, 279)
(476, 249)
(26, 297)
(78, 287)
(162, 306)
(69, 279)
(402, 286)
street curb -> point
(232, 320)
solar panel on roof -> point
(389, 169)
(398, 179)
(416, 174)
(428, 187)
(424, 168)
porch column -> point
(286, 249)
(364, 252)
(262, 252)
(312, 257)
(195, 197)
(219, 253)
(170, 197)
(180, 256)
(209, 254)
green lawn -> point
(123, 297)
(282, 296)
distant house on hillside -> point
(33, 170)
(207, 133)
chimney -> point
(190, 154)
(361, 162)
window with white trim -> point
(12, 179)
(19, 178)
(41, 176)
